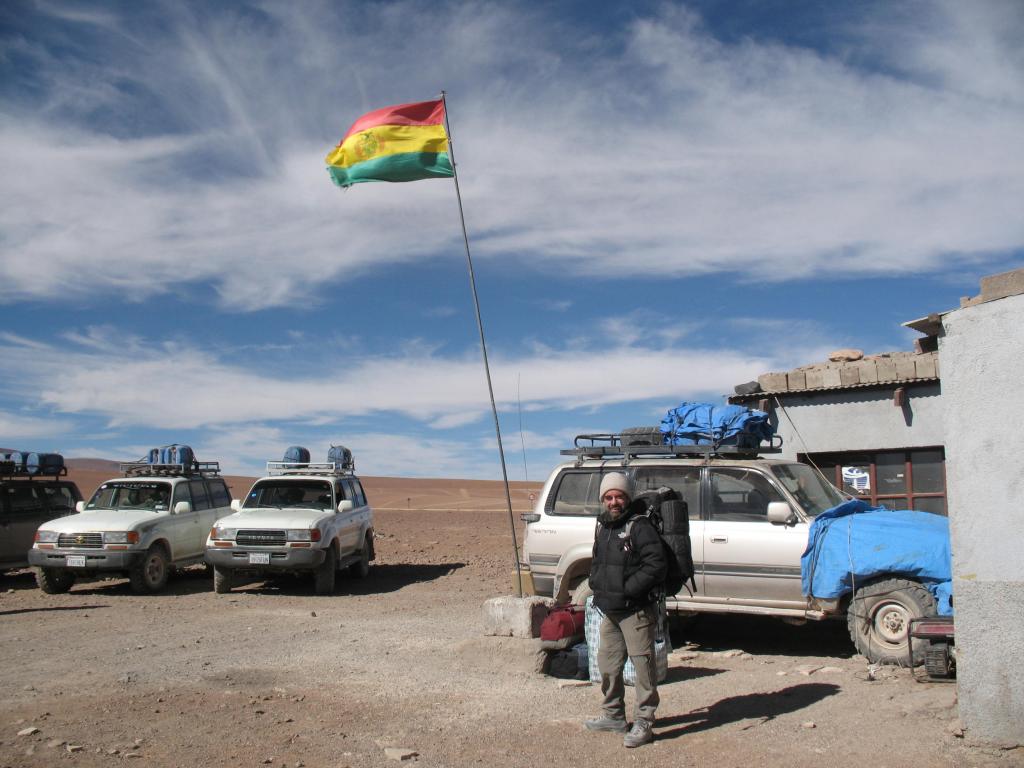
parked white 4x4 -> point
(143, 524)
(302, 518)
(749, 519)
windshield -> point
(308, 494)
(132, 495)
(814, 493)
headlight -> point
(304, 534)
(223, 534)
(120, 537)
(47, 537)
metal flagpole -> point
(483, 347)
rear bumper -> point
(95, 559)
(281, 559)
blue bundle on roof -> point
(708, 424)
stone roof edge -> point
(887, 369)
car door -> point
(346, 523)
(220, 500)
(686, 481)
(180, 529)
(25, 510)
(746, 558)
(200, 516)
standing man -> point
(626, 571)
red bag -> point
(564, 621)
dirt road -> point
(273, 675)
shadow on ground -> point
(382, 578)
(751, 706)
(763, 635)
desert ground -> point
(396, 666)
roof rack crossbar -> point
(277, 468)
(608, 444)
(141, 468)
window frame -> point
(870, 459)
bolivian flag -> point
(401, 143)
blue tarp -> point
(866, 542)
(705, 423)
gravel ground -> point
(274, 675)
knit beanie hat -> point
(617, 481)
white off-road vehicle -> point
(153, 519)
(302, 518)
(749, 518)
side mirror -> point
(182, 508)
(236, 505)
(780, 513)
(345, 505)
(80, 506)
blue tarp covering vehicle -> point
(896, 563)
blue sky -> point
(663, 200)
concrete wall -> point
(982, 360)
(860, 419)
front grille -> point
(260, 538)
(80, 540)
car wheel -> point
(222, 580)
(150, 573)
(879, 618)
(54, 581)
(323, 583)
(361, 568)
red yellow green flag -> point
(406, 142)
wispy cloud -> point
(202, 161)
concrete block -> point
(815, 378)
(866, 371)
(831, 377)
(848, 375)
(515, 616)
(797, 379)
(905, 368)
(773, 382)
(886, 367)
(925, 365)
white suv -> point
(143, 524)
(749, 518)
(303, 517)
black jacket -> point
(626, 568)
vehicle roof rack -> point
(336, 468)
(8, 470)
(191, 469)
(607, 445)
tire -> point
(149, 575)
(361, 569)
(323, 577)
(879, 616)
(642, 436)
(223, 580)
(54, 581)
(581, 593)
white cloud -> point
(174, 386)
(202, 161)
(15, 429)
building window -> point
(907, 479)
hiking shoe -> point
(605, 723)
(639, 734)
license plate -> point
(76, 561)
(258, 558)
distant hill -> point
(93, 465)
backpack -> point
(562, 622)
(671, 519)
